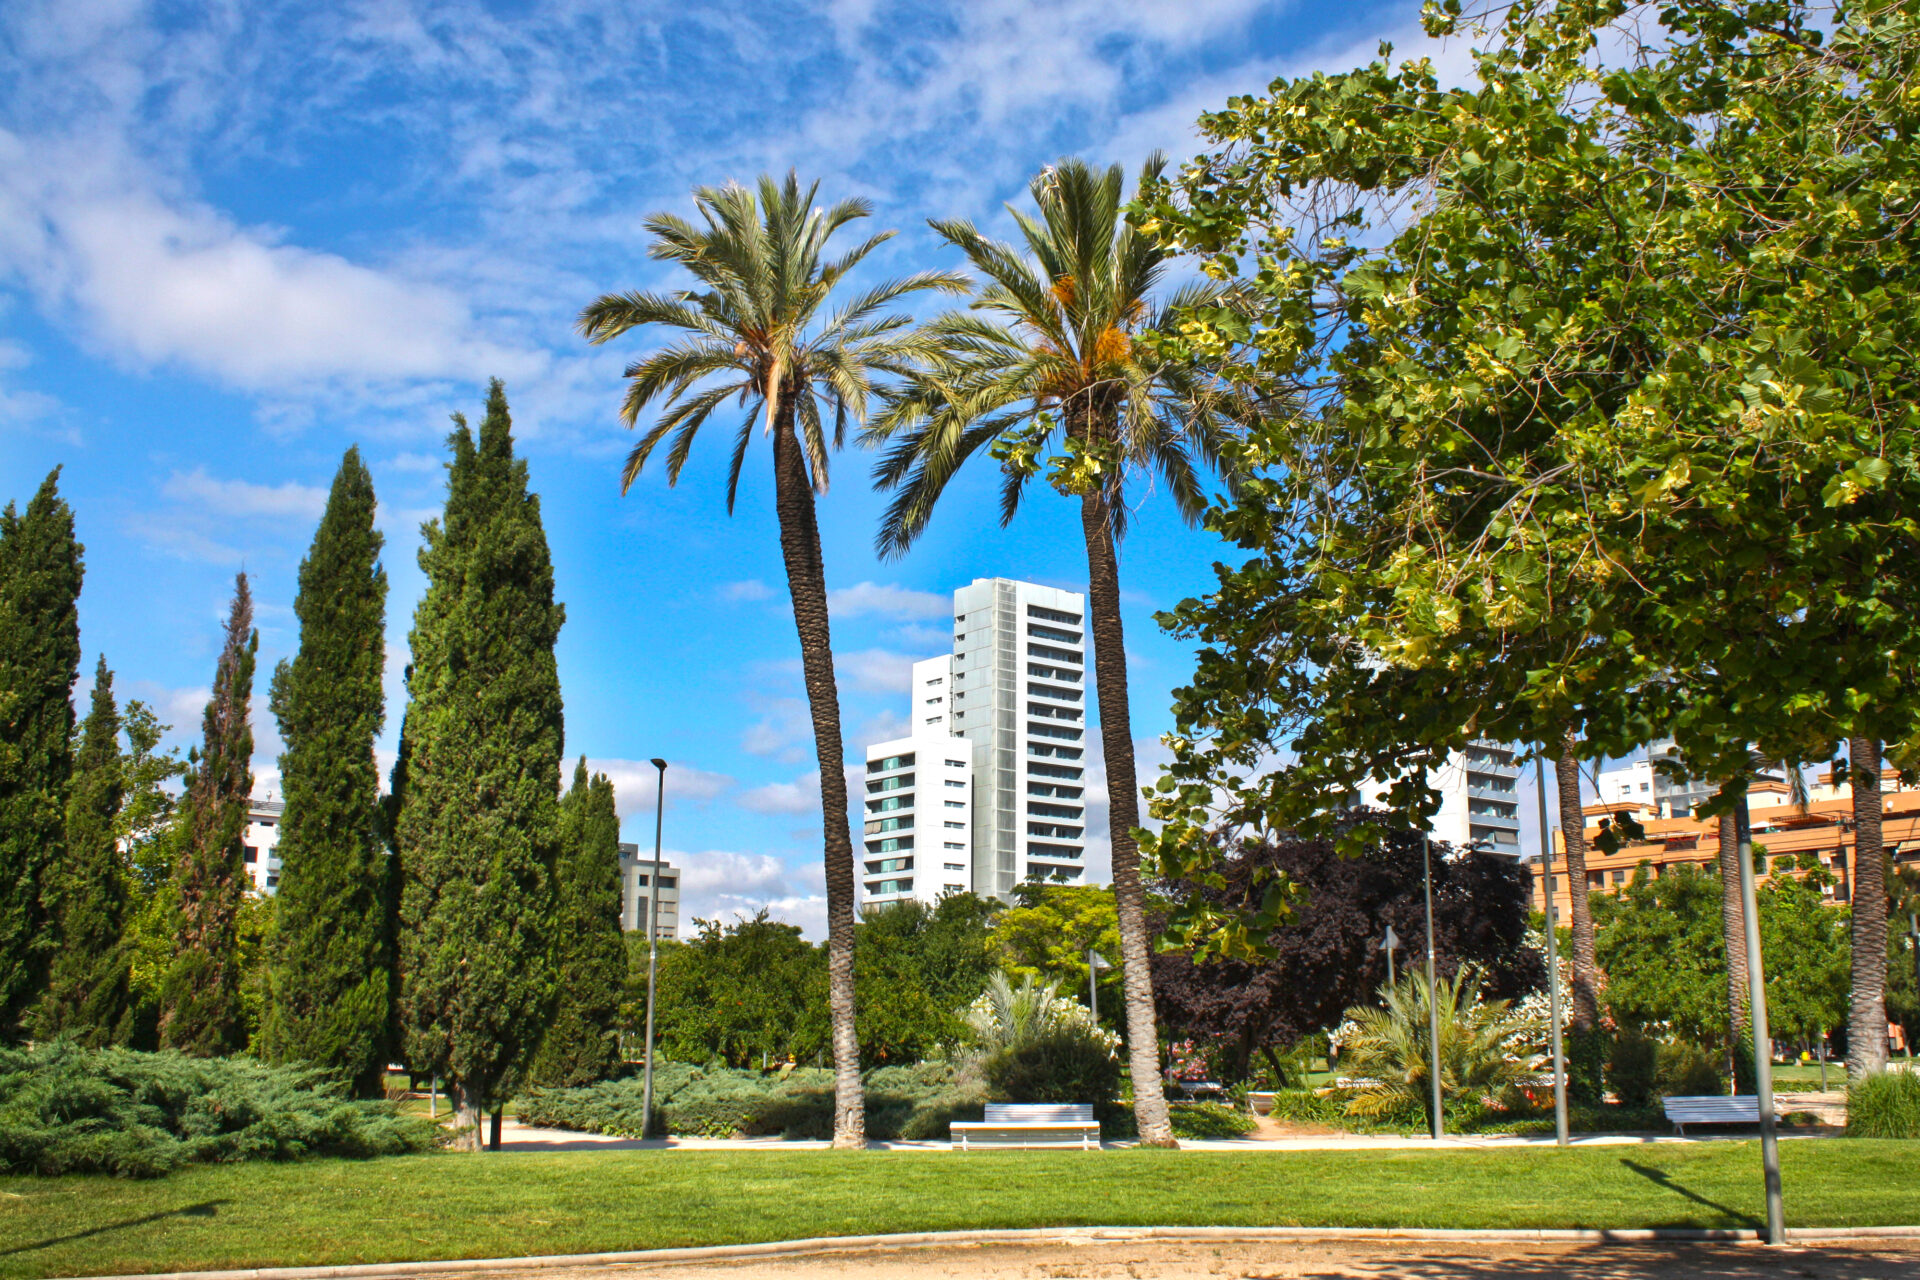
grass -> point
(464, 1206)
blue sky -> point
(236, 238)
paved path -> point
(518, 1137)
(1303, 1260)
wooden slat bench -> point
(1736, 1108)
(1014, 1124)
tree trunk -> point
(1733, 925)
(467, 1115)
(1123, 810)
(806, 581)
(493, 1131)
(1586, 986)
(1867, 1011)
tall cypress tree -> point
(478, 802)
(40, 572)
(87, 995)
(200, 1006)
(583, 1041)
(329, 965)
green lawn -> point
(452, 1206)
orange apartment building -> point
(1780, 828)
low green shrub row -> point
(1885, 1106)
(65, 1109)
(916, 1102)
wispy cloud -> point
(887, 601)
(245, 498)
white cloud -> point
(725, 885)
(802, 795)
(783, 731)
(226, 498)
(157, 279)
(749, 590)
(874, 670)
(886, 601)
(634, 784)
(884, 727)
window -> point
(935, 719)
(253, 854)
(894, 762)
(953, 845)
(952, 783)
(956, 804)
(1645, 786)
(957, 764)
(959, 866)
(669, 882)
(956, 826)
(956, 888)
(1052, 615)
(272, 880)
(937, 680)
(934, 702)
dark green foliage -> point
(329, 964)
(1067, 1064)
(40, 573)
(87, 996)
(1587, 1055)
(64, 1109)
(1204, 1120)
(1633, 1067)
(201, 1011)
(1690, 1071)
(1662, 945)
(582, 1042)
(751, 993)
(919, 966)
(720, 1102)
(1884, 1105)
(478, 782)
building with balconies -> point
(988, 790)
(641, 880)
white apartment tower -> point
(1479, 798)
(988, 788)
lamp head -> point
(658, 763)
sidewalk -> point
(515, 1136)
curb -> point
(1036, 1235)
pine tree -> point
(583, 1041)
(478, 792)
(201, 1010)
(87, 996)
(40, 572)
(328, 959)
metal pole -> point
(1553, 952)
(1093, 988)
(1913, 936)
(1762, 1045)
(653, 943)
(1433, 993)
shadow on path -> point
(205, 1209)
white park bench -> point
(1718, 1108)
(1014, 1124)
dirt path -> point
(1307, 1260)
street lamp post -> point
(1390, 944)
(653, 943)
(1762, 1044)
(1553, 954)
(1433, 994)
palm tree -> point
(1050, 352)
(1485, 1045)
(755, 333)
(1867, 1010)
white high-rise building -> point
(640, 879)
(1479, 798)
(988, 788)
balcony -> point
(1054, 691)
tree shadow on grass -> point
(205, 1209)
(1661, 1178)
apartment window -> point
(1053, 615)
(934, 702)
(894, 762)
(953, 783)
(957, 826)
(956, 804)
(935, 719)
(1646, 786)
(957, 764)
(253, 854)
(272, 880)
(669, 882)
(951, 844)
(956, 866)
(937, 680)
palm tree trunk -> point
(806, 582)
(1586, 986)
(1123, 815)
(1733, 925)
(1867, 1011)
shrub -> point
(1633, 1067)
(1587, 1054)
(1886, 1105)
(1067, 1065)
(722, 1102)
(1688, 1070)
(1484, 1046)
(66, 1109)
(1209, 1120)
(1304, 1106)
